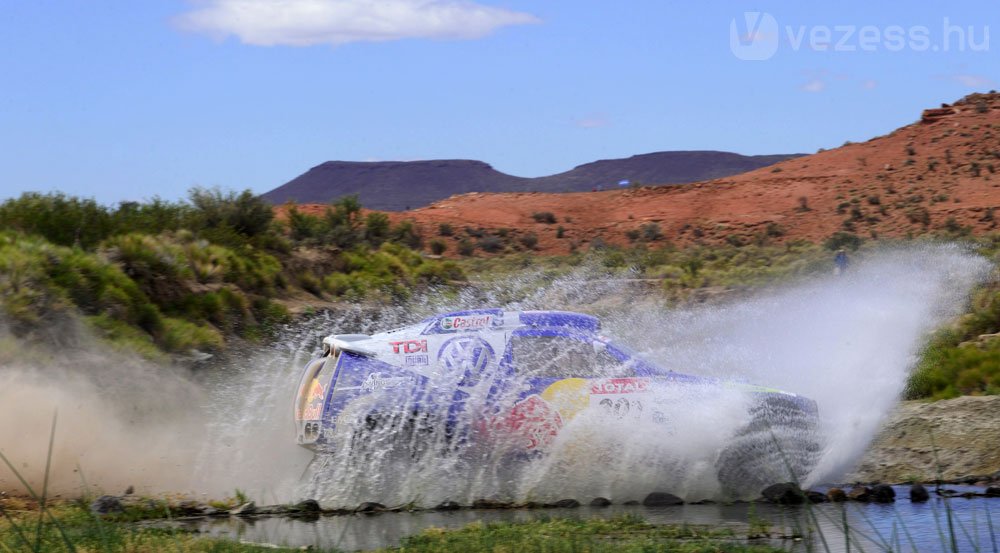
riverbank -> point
(954, 440)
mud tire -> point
(779, 444)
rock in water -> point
(566, 503)
(883, 493)
(106, 504)
(918, 493)
(860, 493)
(600, 502)
(244, 510)
(662, 499)
(816, 497)
(787, 493)
(836, 495)
(993, 491)
(448, 506)
(306, 506)
(370, 507)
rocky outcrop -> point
(950, 440)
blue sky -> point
(124, 100)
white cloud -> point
(593, 122)
(310, 22)
(814, 85)
(973, 81)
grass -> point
(620, 534)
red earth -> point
(938, 174)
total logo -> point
(466, 323)
(619, 386)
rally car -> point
(512, 381)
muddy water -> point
(902, 526)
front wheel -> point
(779, 444)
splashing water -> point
(847, 342)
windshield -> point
(538, 356)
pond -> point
(900, 526)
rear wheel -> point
(779, 444)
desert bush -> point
(529, 240)
(491, 244)
(651, 232)
(466, 247)
(438, 247)
(546, 217)
(841, 239)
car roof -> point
(498, 319)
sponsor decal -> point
(466, 355)
(619, 386)
(375, 381)
(416, 360)
(532, 421)
(569, 396)
(409, 346)
(621, 407)
(460, 322)
(313, 409)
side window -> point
(563, 357)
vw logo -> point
(468, 354)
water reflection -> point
(902, 526)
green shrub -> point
(842, 239)
(376, 228)
(529, 240)
(182, 336)
(466, 247)
(651, 232)
(438, 247)
(546, 217)
(491, 244)
(406, 233)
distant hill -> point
(939, 175)
(402, 185)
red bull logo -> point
(313, 409)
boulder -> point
(600, 502)
(566, 503)
(448, 506)
(993, 491)
(918, 493)
(836, 495)
(786, 493)
(106, 505)
(189, 508)
(245, 509)
(816, 497)
(489, 504)
(860, 493)
(370, 507)
(883, 493)
(661, 499)
(305, 506)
